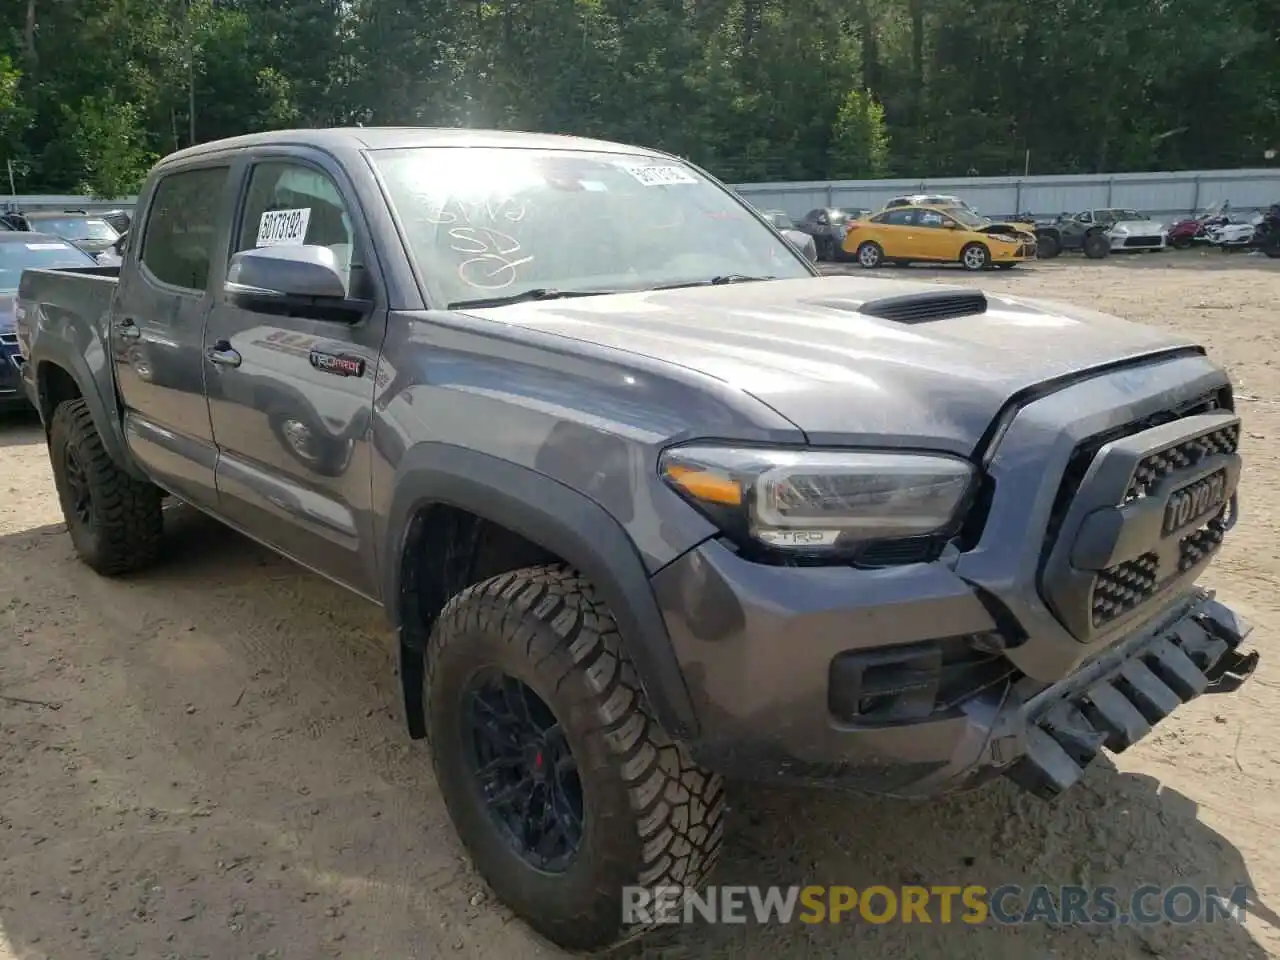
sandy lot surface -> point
(226, 776)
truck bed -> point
(65, 311)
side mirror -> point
(121, 244)
(267, 278)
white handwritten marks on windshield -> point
(492, 259)
(659, 176)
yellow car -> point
(938, 234)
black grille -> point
(924, 307)
(1082, 456)
(1124, 587)
(1142, 242)
(1186, 453)
(1205, 542)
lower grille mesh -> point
(1124, 587)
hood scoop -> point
(926, 307)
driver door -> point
(293, 433)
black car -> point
(20, 250)
(827, 226)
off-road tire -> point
(970, 261)
(1047, 246)
(1181, 243)
(870, 255)
(123, 531)
(651, 817)
(1096, 246)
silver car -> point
(1128, 229)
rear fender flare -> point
(102, 408)
(555, 517)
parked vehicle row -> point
(98, 234)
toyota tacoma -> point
(651, 504)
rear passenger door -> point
(896, 229)
(157, 326)
(293, 435)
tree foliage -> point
(90, 94)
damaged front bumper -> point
(1116, 699)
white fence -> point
(1161, 195)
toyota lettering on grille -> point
(1195, 501)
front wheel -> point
(562, 785)
(1047, 246)
(115, 521)
(1180, 243)
(870, 254)
(975, 256)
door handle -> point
(223, 355)
(128, 330)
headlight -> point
(820, 502)
(1008, 237)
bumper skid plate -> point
(1117, 699)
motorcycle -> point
(1234, 234)
(1192, 230)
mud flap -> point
(1115, 701)
(413, 670)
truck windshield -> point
(487, 223)
(16, 256)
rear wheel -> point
(1097, 246)
(562, 785)
(870, 254)
(114, 520)
(975, 256)
(1180, 243)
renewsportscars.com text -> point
(1008, 904)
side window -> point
(931, 218)
(182, 227)
(1085, 217)
(291, 203)
(901, 217)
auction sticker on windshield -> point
(662, 176)
(46, 246)
(283, 227)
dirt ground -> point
(214, 765)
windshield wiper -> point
(537, 293)
(714, 281)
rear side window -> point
(898, 217)
(182, 227)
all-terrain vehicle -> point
(1072, 232)
(649, 507)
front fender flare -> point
(557, 518)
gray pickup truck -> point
(650, 502)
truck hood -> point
(802, 347)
